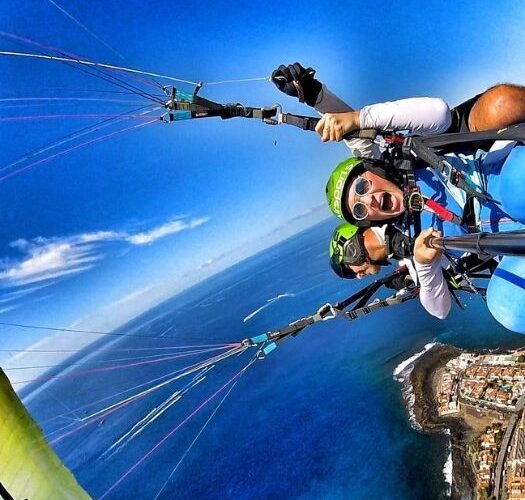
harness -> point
(268, 342)
(405, 155)
(431, 148)
(459, 278)
(399, 163)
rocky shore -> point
(425, 413)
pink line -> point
(28, 41)
(53, 117)
(79, 146)
(175, 429)
(232, 344)
(92, 403)
(106, 413)
(114, 360)
(65, 99)
(116, 367)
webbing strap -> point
(511, 133)
(368, 291)
(450, 173)
(398, 298)
(411, 193)
(303, 122)
(294, 328)
(328, 311)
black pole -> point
(506, 243)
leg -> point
(498, 107)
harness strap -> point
(303, 122)
(269, 340)
(511, 133)
(453, 175)
(398, 298)
(411, 194)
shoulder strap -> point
(511, 133)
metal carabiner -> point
(327, 311)
(273, 114)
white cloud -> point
(49, 259)
(46, 260)
(208, 263)
(99, 236)
(148, 237)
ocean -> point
(320, 417)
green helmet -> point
(337, 186)
(346, 249)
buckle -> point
(414, 201)
(327, 312)
(272, 115)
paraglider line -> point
(115, 334)
(167, 376)
(112, 368)
(87, 30)
(240, 80)
(196, 438)
(93, 64)
(99, 72)
(175, 429)
(77, 134)
(65, 116)
(79, 146)
(154, 356)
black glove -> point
(296, 81)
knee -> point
(498, 107)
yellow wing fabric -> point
(29, 468)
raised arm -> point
(296, 81)
(419, 115)
(433, 291)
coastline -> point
(420, 383)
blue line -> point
(510, 277)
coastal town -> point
(487, 391)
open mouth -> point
(387, 202)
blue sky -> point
(96, 236)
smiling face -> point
(382, 199)
(366, 269)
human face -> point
(381, 200)
(366, 269)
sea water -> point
(321, 417)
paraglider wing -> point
(30, 468)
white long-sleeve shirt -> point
(419, 116)
(434, 294)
